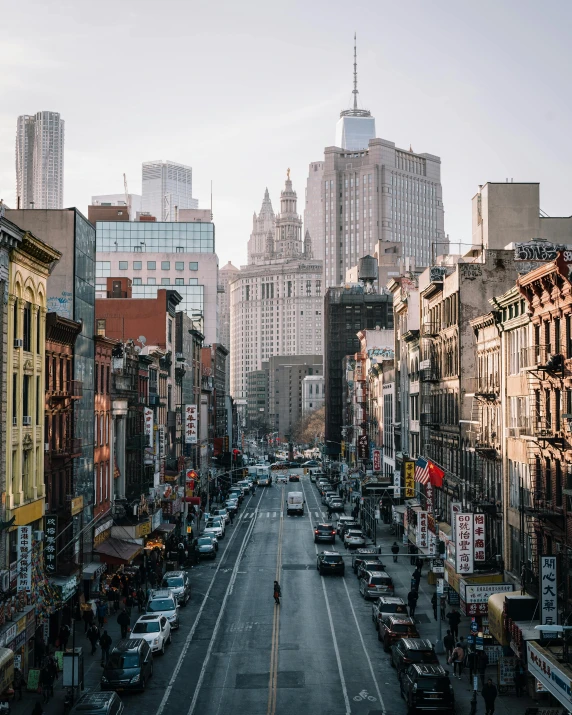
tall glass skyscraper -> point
(167, 187)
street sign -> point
(474, 626)
(440, 586)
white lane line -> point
(273, 513)
(267, 514)
(189, 638)
(229, 589)
(334, 639)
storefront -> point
(64, 590)
(18, 637)
(91, 578)
(116, 552)
(554, 677)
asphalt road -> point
(236, 652)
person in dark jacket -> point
(101, 612)
(412, 597)
(64, 635)
(105, 643)
(47, 683)
(93, 637)
(39, 651)
(489, 693)
(434, 604)
(472, 663)
(124, 621)
(277, 593)
(482, 663)
(19, 682)
(395, 551)
(454, 618)
(87, 618)
(416, 578)
(449, 643)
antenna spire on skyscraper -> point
(355, 92)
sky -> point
(241, 91)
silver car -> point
(353, 539)
(374, 584)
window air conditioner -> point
(18, 343)
(27, 420)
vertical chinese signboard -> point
(456, 508)
(464, 543)
(421, 536)
(50, 547)
(479, 535)
(377, 460)
(548, 591)
(191, 424)
(397, 484)
(362, 447)
(24, 558)
(409, 471)
(148, 419)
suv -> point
(164, 603)
(372, 565)
(373, 584)
(293, 477)
(347, 525)
(324, 532)
(336, 504)
(353, 538)
(156, 630)
(361, 555)
(412, 650)
(345, 519)
(129, 666)
(387, 606)
(99, 704)
(330, 562)
(178, 582)
(393, 628)
(427, 687)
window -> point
(14, 395)
(27, 334)
(193, 266)
(151, 281)
(193, 281)
(151, 265)
(26, 396)
(179, 281)
(170, 331)
(137, 282)
(137, 265)
(165, 265)
(100, 327)
(123, 265)
(103, 269)
(165, 281)
(179, 265)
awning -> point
(555, 676)
(445, 528)
(165, 527)
(94, 569)
(117, 551)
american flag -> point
(422, 474)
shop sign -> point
(549, 674)
(464, 543)
(101, 537)
(479, 528)
(143, 528)
(421, 531)
(549, 596)
(437, 566)
(456, 508)
(191, 424)
(156, 519)
(106, 526)
(19, 640)
(76, 505)
(148, 426)
(474, 609)
(480, 593)
(162, 445)
(66, 588)
(397, 484)
(409, 471)
(377, 460)
(50, 548)
(363, 447)
(24, 558)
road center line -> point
(273, 676)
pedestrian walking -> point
(124, 621)
(140, 599)
(129, 603)
(47, 683)
(416, 578)
(482, 665)
(87, 617)
(93, 637)
(434, 604)
(520, 679)
(231, 514)
(412, 597)
(489, 693)
(472, 663)
(454, 618)
(395, 551)
(458, 659)
(101, 612)
(443, 601)
(419, 564)
(52, 665)
(105, 643)
(277, 593)
(449, 643)
(19, 682)
(39, 651)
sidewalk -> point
(506, 704)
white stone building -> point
(276, 302)
(313, 393)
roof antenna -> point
(211, 199)
(355, 91)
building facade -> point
(103, 475)
(167, 186)
(40, 161)
(313, 393)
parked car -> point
(222, 513)
(163, 603)
(311, 463)
(372, 565)
(236, 494)
(156, 630)
(373, 584)
(387, 606)
(336, 504)
(324, 532)
(214, 520)
(179, 583)
(393, 628)
(353, 538)
(231, 506)
(427, 687)
(327, 495)
(129, 666)
(412, 650)
(345, 519)
(207, 547)
(327, 487)
(347, 525)
(366, 554)
(104, 703)
(293, 477)
(330, 562)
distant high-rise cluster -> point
(40, 161)
(167, 188)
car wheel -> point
(163, 647)
(169, 639)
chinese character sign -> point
(548, 590)
(409, 470)
(456, 508)
(191, 424)
(464, 543)
(479, 535)
(377, 460)
(24, 558)
(148, 420)
(397, 484)
(422, 529)
(50, 547)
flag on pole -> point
(436, 474)
(422, 470)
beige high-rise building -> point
(276, 301)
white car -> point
(354, 539)
(215, 531)
(163, 603)
(217, 521)
(222, 513)
(156, 630)
(282, 479)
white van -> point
(295, 503)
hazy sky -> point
(243, 90)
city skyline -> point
(475, 113)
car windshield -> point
(204, 541)
(393, 608)
(147, 627)
(162, 604)
(401, 627)
(374, 567)
(421, 656)
(381, 580)
(119, 661)
(440, 684)
(354, 533)
(332, 559)
(175, 582)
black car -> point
(98, 704)
(330, 562)
(361, 555)
(412, 650)
(324, 532)
(129, 666)
(427, 687)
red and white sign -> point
(191, 424)
(148, 426)
(422, 529)
(479, 527)
(464, 543)
(377, 460)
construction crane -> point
(127, 202)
